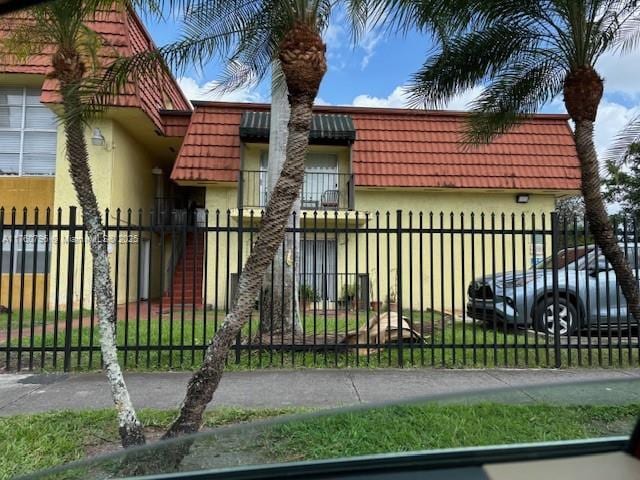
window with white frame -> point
(27, 133)
(25, 252)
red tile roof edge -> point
(211, 150)
(132, 34)
(359, 109)
(136, 18)
(176, 167)
(177, 113)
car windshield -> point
(567, 411)
(567, 257)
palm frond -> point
(511, 97)
(466, 61)
(618, 152)
(430, 16)
(98, 90)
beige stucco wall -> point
(122, 179)
(442, 282)
(441, 279)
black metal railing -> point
(385, 289)
(320, 191)
(169, 211)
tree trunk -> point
(205, 381)
(130, 428)
(598, 219)
(279, 309)
(302, 56)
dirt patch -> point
(222, 448)
(618, 427)
(97, 445)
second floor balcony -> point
(320, 191)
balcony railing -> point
(173, 211)
(320, 191)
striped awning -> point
(325, 127)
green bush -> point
(348, 292)
(308, 294)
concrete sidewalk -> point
(312, 388)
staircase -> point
(186, 284)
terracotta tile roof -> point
(122, 34)
(211, 148)
(409, 148)
(402, 148)
(175, 122)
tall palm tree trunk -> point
(302, 56)
(205, 381)
(583, 89)
(598, 219)
(130, 428)
(279, 309)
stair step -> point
(187, 280)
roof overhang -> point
(326, 128)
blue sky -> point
(373, 73)
(374, 67)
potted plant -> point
(375, 305)
(348, 295)
(392, 301)
(308, 296)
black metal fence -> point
(372, 289)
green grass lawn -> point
(39, 316)
(32, 442)
(36, 442)
(431, 426)
(176, 342)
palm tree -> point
(279, 312)
(75, 47)
(526, 52)
(248, 35)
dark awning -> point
(325, 127)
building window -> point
(29, 252)
(28, 133)
(321, 180)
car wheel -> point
(567, 317)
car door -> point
(599, 290)
(610, 303)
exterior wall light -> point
(97, 138)
(522, 198)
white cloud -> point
(612, 118)
(621, 73)
(368, 43)
(333, 35)
(320, 101)
(464, 100)
(399, 98)
(208, 91)
(336, 38)
(340, 47)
